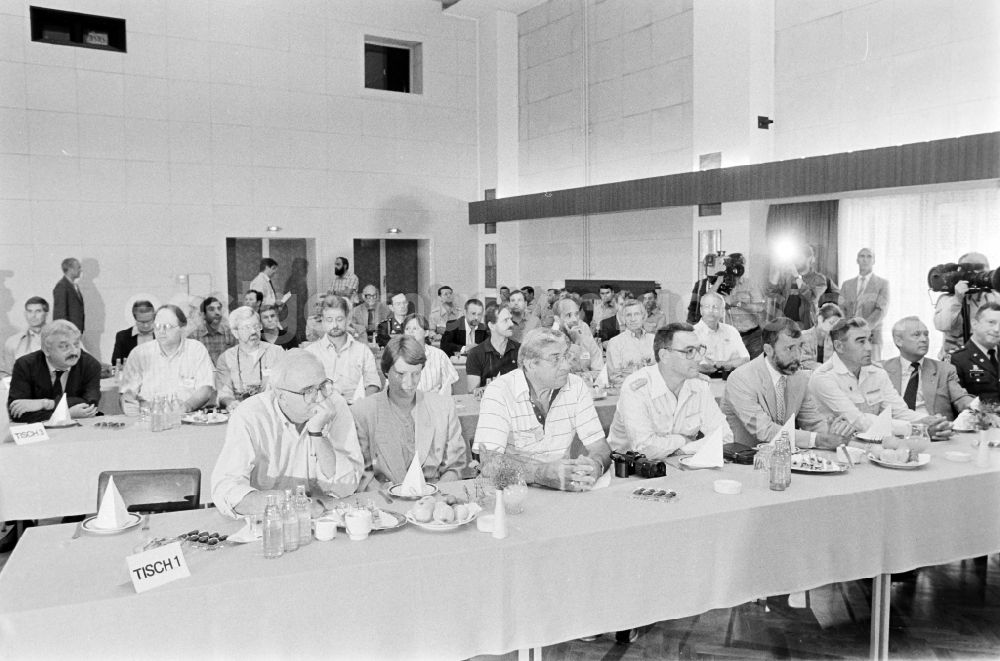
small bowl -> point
(728, 487)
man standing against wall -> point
(867, 296)
(67, 301)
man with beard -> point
(349, 364)
(848, 385)
(586, 354)
(345, 283)
(60, 367)
(213, 333)
(762, 395)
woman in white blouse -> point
(438, 373)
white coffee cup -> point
(358, 524)
(325, 529)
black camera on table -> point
(944, 277)
(635, 463)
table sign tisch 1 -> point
(157, 566)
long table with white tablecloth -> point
(558, 576)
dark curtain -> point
(814, 223)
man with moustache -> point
(60, 367)
(764, 394)
(298, 432)
(495, 356)
(848, 385)
(663, 407)
(345, 284)
(927, 385)
(212, 332)
(348, 363)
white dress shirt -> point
(722, 344)
(150, 373)
(352, 368)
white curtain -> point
(911, 233)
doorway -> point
(394, 265)
(296, 274)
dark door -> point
(401, 268)
(293, 268)
(242, 266)
(367, 265)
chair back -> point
(159, 490)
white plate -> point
(396, 491)
(922, 460)
(88, 525)
(387, 520)
(188, 420)
(863, 436)
(838, 467)
(434, 526)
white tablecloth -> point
(558, 576)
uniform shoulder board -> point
(639, 383)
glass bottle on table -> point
(290, 519)
(781, 463)
(273, 538)
(157, 414)
(303, 515)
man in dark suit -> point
(462, 334)
(67, 301)
(609, 328)
(125, 340)
(763, 394)
(60, 367)
(393, 324)
(927, 385)
(976, 362)
(866, 296)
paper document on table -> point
(113, 513)
(413, 483)
(709, 455)
(881, 428)
(61, 415)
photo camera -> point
(636, 463)
(944, 277)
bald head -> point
(974, 258)
(296, 370)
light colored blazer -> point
(872, 305)
(750, 404)
(439, 442)
(809, 352)
(943, 394)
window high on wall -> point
(393, 65)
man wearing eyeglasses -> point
(543, 416)
(299, 431)
(370, 313)
(664, 407)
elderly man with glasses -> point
(298, 432)
(244, 370)
(664, 407)
(369, 314)
(173, 365)
(543, 416)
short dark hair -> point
(37, 300)
(473, 301)
(419, 318)
(181, 317)
(208, 301)
(828, 310)
(267, 262)
(68, 263)
(606, 286)
(665, 336)
(142, 305)
(256, 294)
(504, 287)
(844, 326)
(987, 307)
(405, 347)
(267, 308)
(650, 291)
(339, 303)
(528, 289)
(347, 262)
(443, 287)
(775, 328)
(493, 311)
(518, 291)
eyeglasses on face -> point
(314, 393)
(249, 328)
(557, 358)
(165, 327)
(691, 352)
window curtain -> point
(814, 223)
(911, 233)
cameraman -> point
(744, 301)
(948, 310)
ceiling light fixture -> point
(393, 230)
(273, 228)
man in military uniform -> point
(976, 362)
(663, 407)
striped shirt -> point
(507, 417)
(438, 373)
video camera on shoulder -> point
(734, 266)
(635, 463)
(944, 277)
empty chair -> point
(160, 490)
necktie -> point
(371, 318)
(910, 395)
(862, 282)
(57, 387)
(993, 359)
(779, 392)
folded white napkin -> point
(709, 455)
(359, 392)
(61, 415)
(789, 426)
(413, 483)
(113, 513)
(881, 428)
